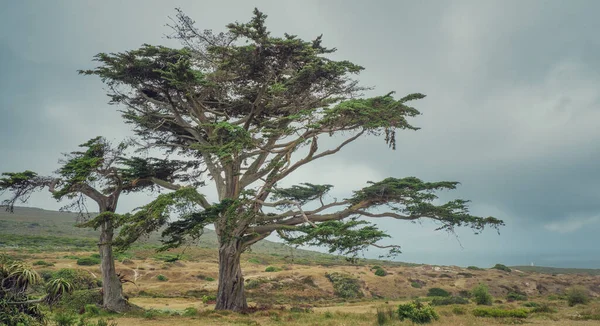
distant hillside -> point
(36, 229)
(556, 271)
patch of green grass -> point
(272, 269)
(500, 313)
(42, 263)
(448, 301)
(88, 261)
(162, 278)
(416, 285)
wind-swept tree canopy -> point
(251, 108)
(100, 172)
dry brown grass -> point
(184, 289)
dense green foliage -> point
(577, 295)
(514, 296)
(88, 261)
(502, 268)
(417, 312)
(438, 292)
(345, 286)
(481, 295)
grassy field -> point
(289, 286)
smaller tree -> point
(102, 172)
(481, 295)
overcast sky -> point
(512, 107)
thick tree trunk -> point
(230, 295)
(112, 289)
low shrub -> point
(190, 312)
(417, 312)
(92, 310)
(500, 313)
(514, 296)
(475, 268)
(448, 301)
(88, 261)
(65, 319)
(438, 292)
(543, 308)
(208, 298)
(502, 268)
(80, 279)
(272, 269)
(380, 272)
(79, 300)
(481, 295)
(162, 278)
(416, 285)
(42, 263)
(531, 304)
(344, 285)
(577, 295)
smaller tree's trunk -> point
(230, 295)
(112, 289)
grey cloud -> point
(511, 111)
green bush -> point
(448, 301)
(514, 296)
(500, 313)
(80, 279)
(577, 295)
(474, 268)
(543, 308)
(92, 310)
(417, 312)
(190, 312)
(208, 298)
(437, 292)
(272, 269)
(380, 272)
(502, 268)
(64, 319)
(162, 278)
(42, 263)
(254, 261)
(531, 304)
(209, 279)
(88, 261)
(78, 300)
(416, 285)
(481, 295)
(345, 286)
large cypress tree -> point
(251, 108)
